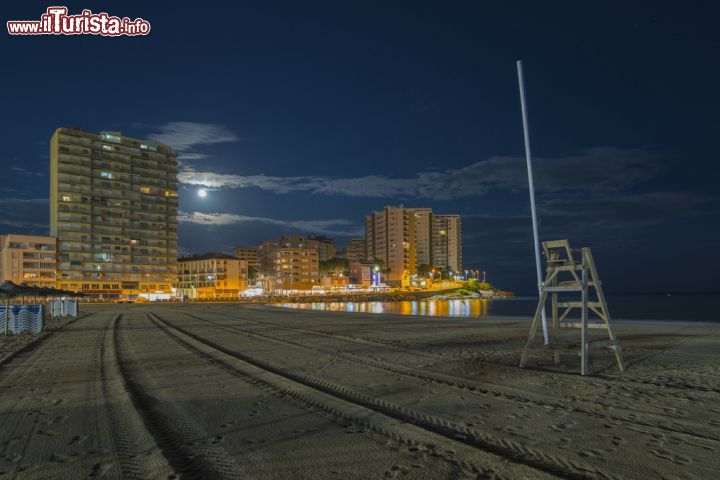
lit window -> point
(65, 198)
(442, 232)
(106, 174)
(107, 147)
(152, 148)
(110, 137)
(145, 189)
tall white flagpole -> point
(528, 157)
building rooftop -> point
(209, 256)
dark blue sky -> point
(302, 116)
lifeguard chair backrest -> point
(558, 252)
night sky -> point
(300, 117)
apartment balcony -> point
(65, 159)
(68, 137)
(69, 187)
(74, 179)
(74, 169)
(74, 227)
(106, 192)
(75, 208)
(73, 218)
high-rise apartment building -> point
(212, 276)
(250, 254)
(406, 238)
(291, 262)
(423, 235)
(390, 237)
(355, 250)
(447, 242)
(113, 209)
(28, 259)
(324, 245)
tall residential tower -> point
(113, 209)
(447, 242)
(390, 237)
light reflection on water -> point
(451, 308)
(692, 307)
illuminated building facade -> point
(113, 209)
(212, 276)
(447, 242)
(423, 235)
(355, 250)
(250, 254)
(324, 245)
(29, 259)
(390, 238)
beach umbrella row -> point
(10, 290)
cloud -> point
(601, 169)
(184, 137)
(28, 215)
(25, 171)
(340, 227)
(4, 202)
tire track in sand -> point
(174, 432)
(415, 428)
(639, 418)
(137, 454)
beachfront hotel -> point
(390, 238)
(406, 238)
(423, 235)
(290, 262)
(113, 210)
(28, 259)
(212, 276)
(447, 242)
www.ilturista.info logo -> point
(56, 21)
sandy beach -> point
(260, 392)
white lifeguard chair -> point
(562, 277)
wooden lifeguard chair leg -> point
(606, 313)
(556, 329)
(533, 329)
(584, 351)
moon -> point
(202, 193)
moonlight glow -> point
(202, 193)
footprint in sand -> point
(54, 421)
(560, 427)
(515, 431)
(99, 469)
(675, 458)
(77, 440)
(12, 457)
(593, 453)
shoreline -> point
(496, 317)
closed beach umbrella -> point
(8, 290)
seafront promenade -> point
(250, 391)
